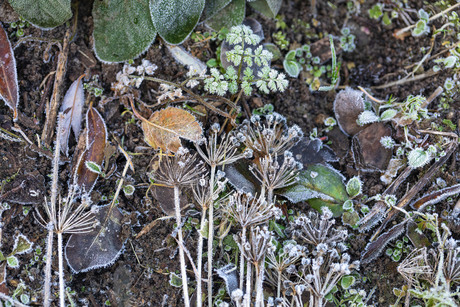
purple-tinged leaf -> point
(9, 90)
(72, 107)
(96, 139)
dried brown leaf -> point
(9, 90)
(164, 129)
(72, 107)
(96, 139)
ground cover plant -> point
(267, 153)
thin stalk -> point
(49, 255)
(243, 241)
(259, 284)
(278, 291)
(211, 234)
(248, 284)
(199, 299)
(61, 271)
(181, 248)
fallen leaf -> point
(96, 139)
(96, 249)
(9, 90)
(348, 105)
(165, 198)
(165, 127)
(72, 107)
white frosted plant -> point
(250, 66)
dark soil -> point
(140, 277)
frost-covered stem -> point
(61, 271)
(211, 233)
(316, 301)
(243, 241)
(49, 255)
(199, 291)
(260, 269)
(181, 246)
(270, 196)
(278, 288)
(248, 284)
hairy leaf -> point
(9, 89)
(269, 8)
(96, 139)
(165, 127)
(213, 6)
(44, 14)
(96, 249)
(72, 108)
(123, 29)
(231, 15)
(320, 186)
(175, 19)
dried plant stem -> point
(243, 242)
(181, 246)
(49, 255)
(248, 285)
(199, 298)
(211, 233)
(260, 270)
(61, 271)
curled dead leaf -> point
(165, 127)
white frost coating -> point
(72, 107)
(185, 58)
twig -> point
(52, 109)
(428, 74)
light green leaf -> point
(44, 14)
(354, 186)
(388, 114)
(418, 158)
(229, 16)
(269, 8)
(12, 261)
(347, 281)
(22, 245)
(291, 68)
(94, 167)
(123, 29)
(175, 19)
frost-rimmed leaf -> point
(45, 14)
(213, 6)
(310, 152)
(96, 249)
(291, 67)
(418, 158)
(12, 261)
(388, 114)
(9, 89)
(123, 29)
(96, 139)
(231, 15)
(320, 185)
(164, 129)
(354, 186)
(269, 8)
(22, 245)
(175, 19)
(348, 105)
(72, 108)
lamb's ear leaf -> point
(269, 8)
(123, 29)
(212, 7)
(231, 15)
(175, 19)
(98, 248)
(45, 14)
